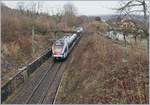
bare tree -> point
(137, 6)
(59, 14)
(33, 8)
(21, 6)
(69, 14)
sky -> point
(82, 7)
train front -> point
(58, 50)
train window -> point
(59, 42)
(65, 49)
(58, 48)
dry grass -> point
(19, 53)
(99, 71)
(17, 40)
(95, 26)
(103, 72)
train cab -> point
(59, 49)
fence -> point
(11, 85)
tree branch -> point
(139, 1)
(135, 11)
(133, 5)
(126, 5)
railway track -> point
(51, 93)
(53, 89)
(22, 93)
(42, 87)
(35, 91)
(46, 81)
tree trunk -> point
(33, 46)
(135, 39)
(145, 18)
(125, 42)
(147, 44)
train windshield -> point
(58, 46)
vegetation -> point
(107, 73)
(128, 9)
(26, 33)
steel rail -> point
(33, 95)
(71, 48)
(38, 84)
(42, 99)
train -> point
(79, 29)
(61, 47)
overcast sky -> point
(83, 7)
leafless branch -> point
(125, 6)
(133, 5)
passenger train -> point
(61, 47)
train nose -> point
(58, 52)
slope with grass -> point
(16, 35)
(103, 72)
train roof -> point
(62, 40)
(59, 42)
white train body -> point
(60, 49)
(79, 29)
